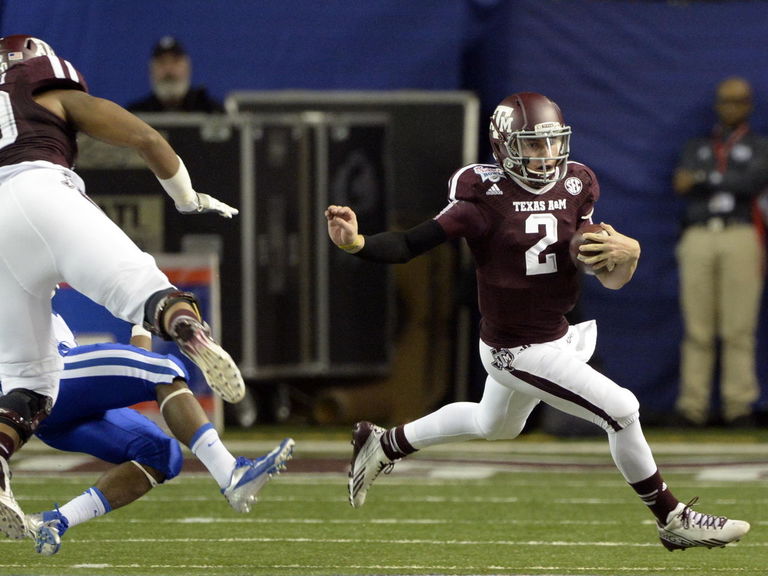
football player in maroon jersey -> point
(50, 232)
(518, 216)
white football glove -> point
(204, 204)
(187, 201)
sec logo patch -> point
(573, 186)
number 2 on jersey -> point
(533, 263)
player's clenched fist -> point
(342, 228)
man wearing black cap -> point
(170, 72)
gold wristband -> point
(353, 246)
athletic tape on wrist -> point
(179, 187)
(139, 330)
(356, 244)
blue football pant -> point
(92, 413)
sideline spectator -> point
(720, 258)
(170, 74)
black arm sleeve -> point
(399, 247)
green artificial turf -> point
(536, 508)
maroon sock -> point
(395, 445)
(654, 492)
(7, 446)
(182, 313)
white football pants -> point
(50, 232)
(556, 373)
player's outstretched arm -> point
(106, 121)
(391, 246)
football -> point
(578, 239)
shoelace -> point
(689, 518)
(59, 521)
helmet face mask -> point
(529, 139)
(20, 47)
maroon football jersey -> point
(526, 280)
(30, 131)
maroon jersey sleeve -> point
(30, 131)
(463, 217)
(47, 73)
(589, 182)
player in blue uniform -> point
(518, 217)
(51, 232)
(98, 384)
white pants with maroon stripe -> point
(50, 232)
(556, 373)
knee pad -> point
(23, 410)
(159, 302)
(623, 407)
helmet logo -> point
(502, 119)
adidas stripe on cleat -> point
(686, 528)
(368, 461)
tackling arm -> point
(106, 121)
(110, 123)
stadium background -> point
(635, 80)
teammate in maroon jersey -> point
(518, 217)
(50, 232)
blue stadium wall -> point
(635, 80)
